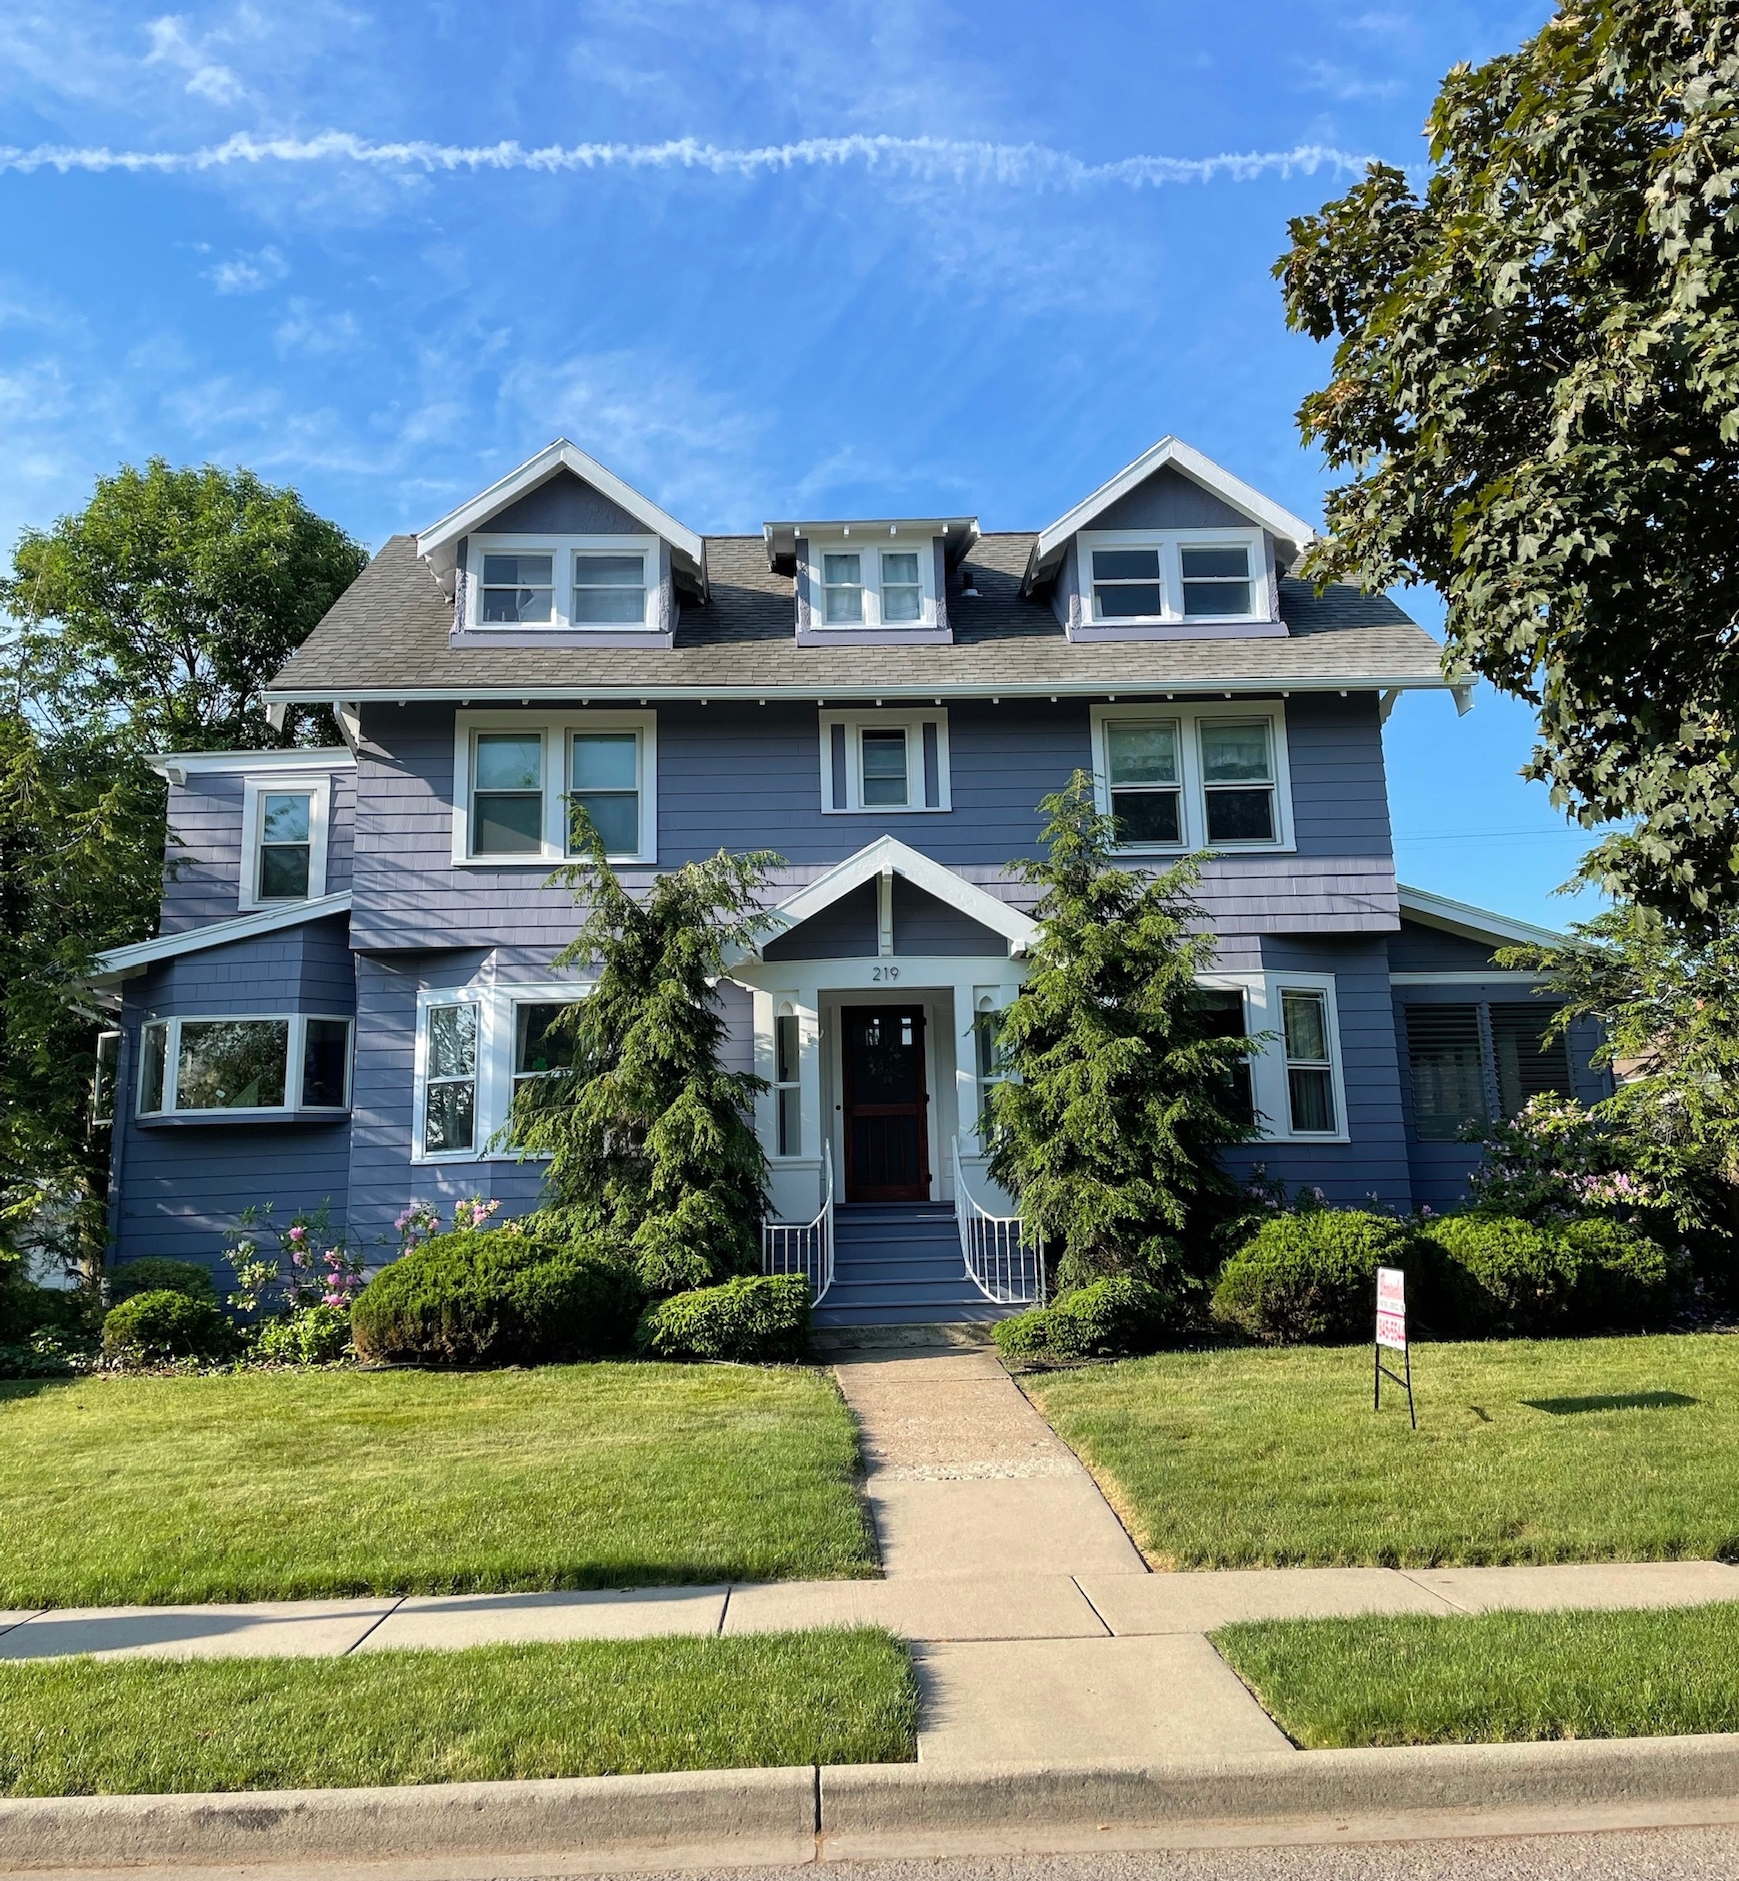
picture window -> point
(213, 1065)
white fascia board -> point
(958, 533)
(888, 855)
(437, 544)
(858, 692)
(1478, 924)
(1241, 496)
(117, 962)
(178, 766)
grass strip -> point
(1492, 1678)
(286, 1485)
(1563, 1450)
(83, 1727)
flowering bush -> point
(283, 1270)
(313, 1335)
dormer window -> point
(572, 584)
(1149, 579)
(842, 589)
(902, 591)
(872, 587)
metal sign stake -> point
(1392, 1333)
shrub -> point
(316, 1335)
(752, 1318)
(1112, 1318)
(496, 1297)
(156, 1275)
(1624, 1282)
(1311, 1278)
(155, 1328)
(27, 1311)
(1522, 1278)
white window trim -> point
(561, 549)
(1169, 542)
(318, 786)
(556, 727)
(912, 724)
(1194, 810)
(871, 547)
(1262, 1014)
(292, 1105)
(492, 1106)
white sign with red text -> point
(1392, 1308)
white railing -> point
(804, 1247)
(1003, 1262)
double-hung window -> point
(1238, 779)
(542, 1047)
(507, 794)
(1193, 777)
(533, 788)
(274, 1063)
(884, 761)
(872, 587)
(1174, 579)
(450, 1079)
(564, 584)
(1309, 1061)
(1145, 775)
(284, 830)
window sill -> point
(549, 862)
(886, 809)
(875, 636)
(1090, 632)
(201, 1119)
(1216, 850)
(253, 905)
(655, 637)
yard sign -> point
(1392, 1332)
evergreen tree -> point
(1120, 1096)
(651, 1143)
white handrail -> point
(804, 1247)
(1003, 1262)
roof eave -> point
(1471, 923)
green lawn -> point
(80, 1727)
(1493, 1677)
(281, 1485)
(1569, 1450)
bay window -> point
(272, 1063)
(1291, 1084)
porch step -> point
(898, 1265)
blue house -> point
(354, 966)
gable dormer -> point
(871, 583)
(1171, 548)
(562, 552)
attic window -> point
(1149, 578)
(564, 583)
(873, 587)
(517, 587)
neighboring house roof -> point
(119, 962)
(1478, 924)
(438, 544)
(1047, 549)
(388, 638)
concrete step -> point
(827, 1315)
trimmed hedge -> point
(154, 1274)
(1528, 1282)
(155, 1328)
(752, 1319)
(1311, 1279)
(495, 1297)
(1112, 1318)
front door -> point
(887, 1137)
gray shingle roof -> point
(388, 637)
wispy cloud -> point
(207, 77)
(929, 159)
(247, 274)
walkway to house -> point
(1038, 1632)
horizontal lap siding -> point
(1375, 1161)
(202, 865)
(1421, 949)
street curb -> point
(788, 1816)
(760, 1814)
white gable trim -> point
(1248, 501)
(437, 544)
(1478, 924)
(120, 961)
(887, 855)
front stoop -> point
(829, 1341)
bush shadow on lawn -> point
(1611, 1401)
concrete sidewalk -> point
(1038, 1632)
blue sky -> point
(759, 258)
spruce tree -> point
(1120, 1095)
(650, 1141)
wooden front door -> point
(887, 1136)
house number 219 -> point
(886, 973)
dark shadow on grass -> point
(1615, 1401)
